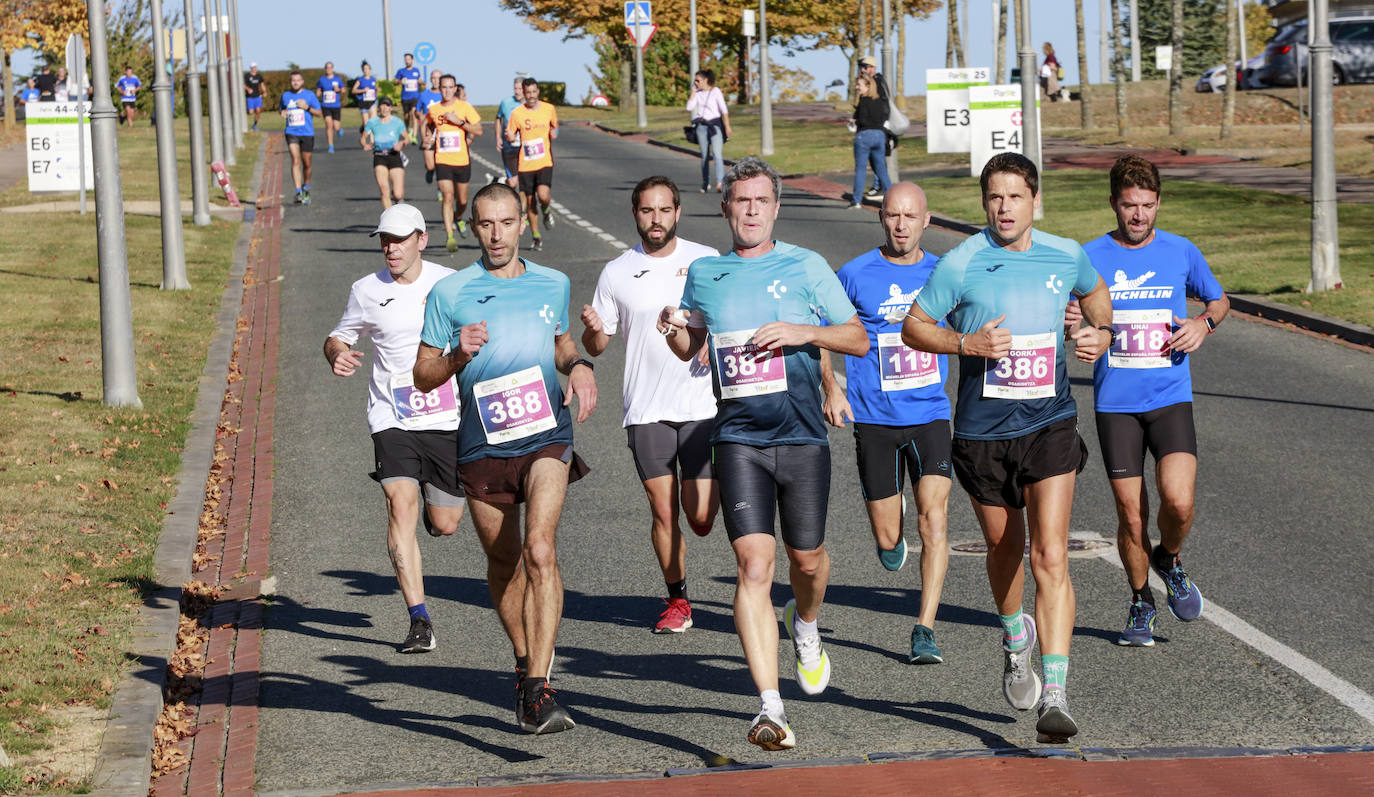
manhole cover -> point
(1076, 546)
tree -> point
(1259, 27)
(954, 46)
(1085, 114)
(1204, 34)
(1000, 58)
(1119, 45)
(1176, 73)
(1228, 105)
(43, 25)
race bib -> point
(534, 148)
(410, 84)
(369, 95)
(904, 368)
(514, 406)
(1027, 372)
(415, 409)
(295, 117)
(330, 97)
(745, 369)
(450, 142)
(1141, 339)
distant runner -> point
(508, 149)
(535, 124)
(330, 90)
(387, 136)
(365, 94)
(409, 76)
(298, 108)
(253, 91)
(452, 123)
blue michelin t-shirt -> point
(299, 121)
(410, 82)
(1150, 285)
(331, 89)
(512, 401)
(978, 281)
(385, 133)
(126, 86)
(761, 401)
(426, 99)
(892, 385)
(367, 84)
(31, 95)
(503, 112)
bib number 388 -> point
(514, 406)
(1027, 372)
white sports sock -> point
(801, 628)
(770, 701)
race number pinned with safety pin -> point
(534, 148)
(415, 409)
(450, 142)
(1142, 338)
(904, 368)
(514, 406)
(1026, 372)
(745, 369)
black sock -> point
(1162, 559)
(533, 686)
(677, 589)
(1144, 594)
(522, 664)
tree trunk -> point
(1176, 73)
(1000, 57)
(1228, 105)
(954, 48)
(862, 48)
(1016, 45)
(1123, 127)
(1085, 116)
(627, 92)
(899, 58)
(743, 64)
(10, 116)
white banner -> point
(994, 123)
(51, 144)
(947, 112)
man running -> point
(504, 321)
(253, 91)
(1143, 390)
(896, 398)
(330, 89)
(428, 97)
(298, 108)
(510, 149)
(769, 307)
(452, 122)
(1016, 444)
(536, 125)
(365, 95)
(409, 76)
(128, 86)
(414, 434)
(668, 403)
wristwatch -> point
(581, 361)
(1108, 329)
(1211, 325)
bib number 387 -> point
(746, 370)
(514, 406)
(1027, 372)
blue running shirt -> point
(385, 134)
(126, 86)
(503, 112)
(759, 403)
(512, 401)
(331, 89)
(892, 385)
(410, 82)
(1150, 285)
(369, 89)
(978, 281)
(299, 121)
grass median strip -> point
(84, 487)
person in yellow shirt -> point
(533, 126)
(452, 123)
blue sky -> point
(484, 45)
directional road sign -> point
(639, 21)
(425, 53)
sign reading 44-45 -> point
(51, 141)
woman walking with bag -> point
(711, 119)
(870, 139)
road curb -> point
(124, 763)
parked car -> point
(1352, 53)
(1214, 79)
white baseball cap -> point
(400, 221)
(253, 65)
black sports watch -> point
(1110, 331)
(581, 361)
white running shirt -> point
(631, 292)
(391, 314)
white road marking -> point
(564, 212)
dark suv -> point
(1352, 53)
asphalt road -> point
(1281, 549)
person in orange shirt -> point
(534, 125)
(452, 122)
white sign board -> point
(994, 123)
(748, 23)
(1164, 58)
(947, 114)
(51, 143)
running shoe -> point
(298, 196)
(1185, 599)
(813, 666)
(452, 244)
(676, 618)
(429, 176)
(255, 128)
(1020, 684)
(462, 228)
(543, 714)
(305, 197)
(538, 245)
(923, 650)
(520, 686)
(548, 218)
(895, 558)
(1140, 626)
(421, 637)
(771, 732)
(856, 206)
(331, 149)
(405, 160)
(1054, 726)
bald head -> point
(905, 217)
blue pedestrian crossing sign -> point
(639, 21)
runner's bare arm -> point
(594, 337)
(1192, 331)
(581, 379)
(341, 357)
(836, 407)
(433, 367)
(1090, 341)
(671, 322)
(847, 338)
(922, 332)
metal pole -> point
(76, 58)
(222, 75)
(1105, 30)
(1030, 92)
(173, 251)
(212, 87)
(1135, 41)
(694, 62)
(236, 77)
(1240, 6)
(641, 118)
(1326, 257)
(118, 372)
(993, 28)
(386, 34)
(765, 85)
(886, 53)
(200, 199)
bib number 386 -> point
(1027, 372)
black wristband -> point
(1108, 329)
(581, 361)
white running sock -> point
(770, 702)
(801, 628)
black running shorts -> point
(428, 457)
(530, 180)
(668, 448)
(454, 174)
(758, 485)
(306, 143)
(996, 472)
(887, 453)
(1125, 436)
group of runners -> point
(730, 380)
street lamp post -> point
(765, 85)
(212, 87)
(886, 53)
(1326, 258)
(173, 250)
(200, 199)
(694, 62)
(236, 76)
(386, 34)
(225, 102)
(1030, 120)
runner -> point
(896, 398)
(414, 434)
(451, 123)
(1143, 391)
(253, 89)
(30, 93)
(365, 94)
(765, 306)
(428, 97)
(505, 322)
(330, 89)
(387, 136)
(1016, 444)
(510, 148)
(536, 125)
(668, 403)
(128, 87)
(298, 107)
(409, 77)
